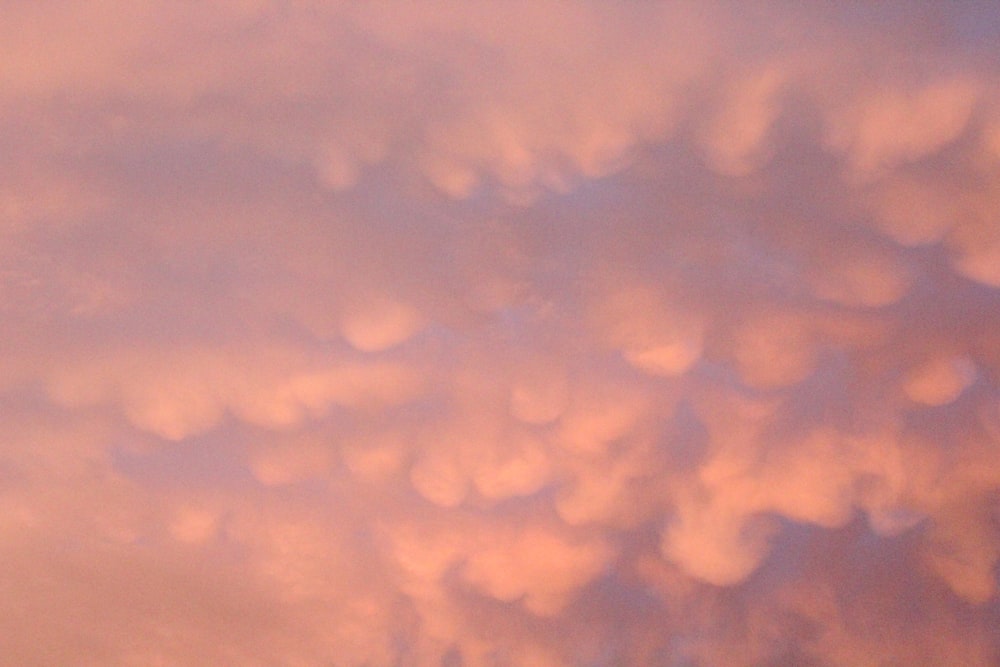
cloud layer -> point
(531, 333)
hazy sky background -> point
(529, 333)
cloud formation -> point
(531, 333)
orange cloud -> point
(527, 333)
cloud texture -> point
(527, 333)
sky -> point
(548, 333)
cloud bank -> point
(530, 333)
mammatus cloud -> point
(548, 333)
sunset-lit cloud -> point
(528, 333)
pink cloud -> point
(535, 333)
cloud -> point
(540, 333)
